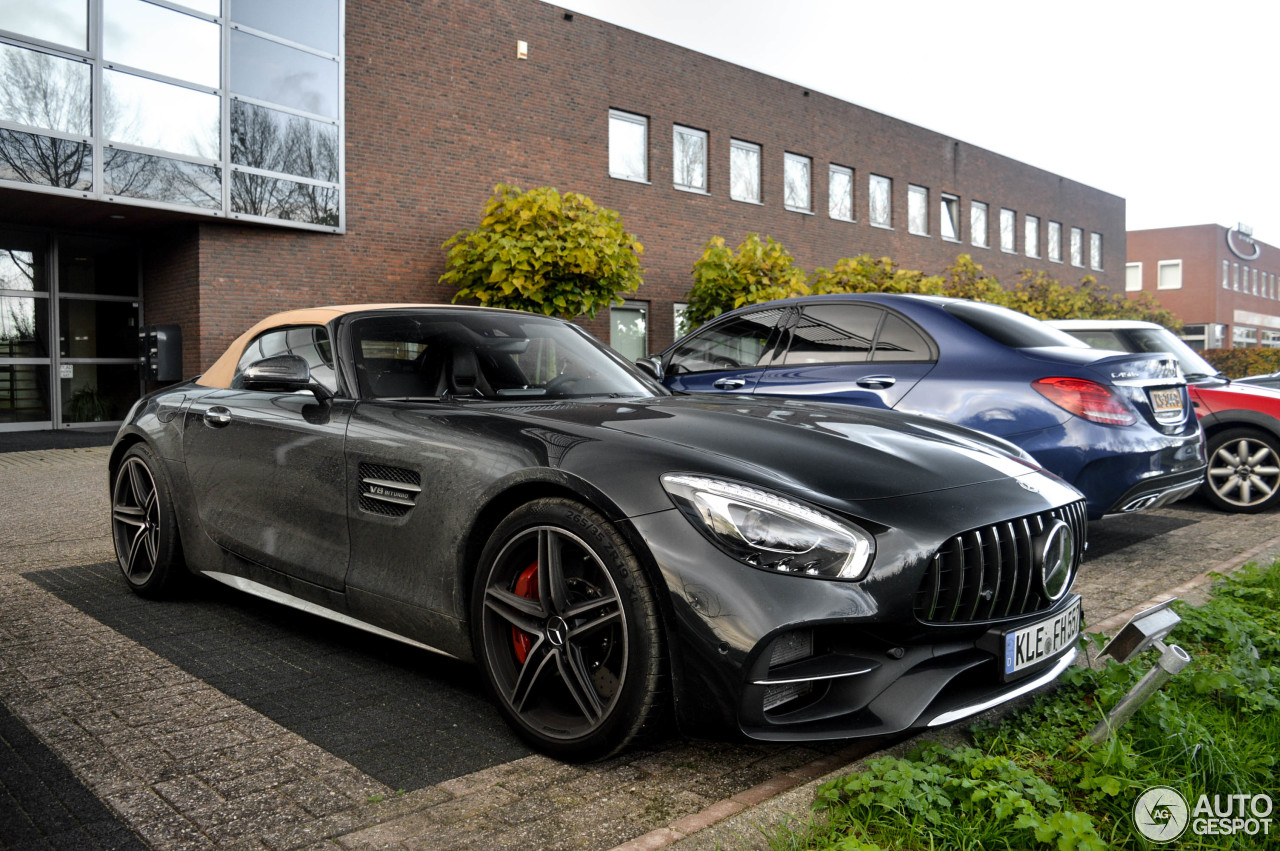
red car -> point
(1241, 421)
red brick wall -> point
(1202, 249)
(171, 278)
(438, 110)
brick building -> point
(205, 162)
(1221, 282)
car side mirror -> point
(282, 374)
(651, 367)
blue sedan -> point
(1120, 427)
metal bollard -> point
(1172, 660)
(1145, 629)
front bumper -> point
(861, 662)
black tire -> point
(144, 526)
(1244, 470)
(566, 628)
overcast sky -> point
(1174, 106)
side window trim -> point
(794, 322)
(769, 350)
(924, 335)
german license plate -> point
(1166, 401)
(1031, 644)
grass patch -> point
(1031, 781)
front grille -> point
(990, 572)
(389, 491)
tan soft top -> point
(224, 368)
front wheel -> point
(144, 526)
(1244, 470)
(566, 628)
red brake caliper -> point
(527, 587)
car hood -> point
(830, 451)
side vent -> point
(389, 491)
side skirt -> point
(257, 589)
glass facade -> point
(225, 108)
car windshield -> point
(1009, 327)
(1164, 340)
(472, 354)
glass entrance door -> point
(26, 398)
(98, 314)
(70, 311)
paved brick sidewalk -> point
(183, 765)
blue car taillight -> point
(1088, 399)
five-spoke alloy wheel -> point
(566, 629)
(1244, 470)
(143, 524)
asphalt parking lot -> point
(220, 721)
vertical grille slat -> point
(989, 573)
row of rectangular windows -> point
(1235, 276)
(628, 160)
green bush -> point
(724, 279)
(544, 252)
(1237, 363)
(763, 272)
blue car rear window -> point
(1009, 327)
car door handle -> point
(877, 382)
(217, 417)
(729, 383)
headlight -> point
(769, 531)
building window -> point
(1255, 281)
(1031, 235)
(1008, 231)
(1169, 275)
(797, 182)
(1055, 242)
(629, 329)
(1271, 339)
(1226, 274)
(1132, 277)
(1235, 277)
(628, 146)
(163, 101)
(881, 198)
(744, 171)
(689, 158)
(1077, 247)
(677, 319)
(978, 224)
(840, 193)
(1095, 251)
(918, 210)
(1243, 336)
(949, 218)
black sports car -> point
(502, 488)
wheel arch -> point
(1214, 423)
(122, 445)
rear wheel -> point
(144, 526)
(566, 628)
(1244, 470)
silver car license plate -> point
(1031, 644)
